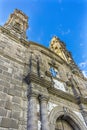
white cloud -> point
(62, 31)
(83, 64)
(84, 73)
(65, 32)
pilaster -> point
(32, 123)
(44, 113)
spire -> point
(17, 23)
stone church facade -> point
(40, 88)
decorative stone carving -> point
(80, 116)
(70, 116)
(59, 85)
(51, 106)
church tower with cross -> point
(40, 88)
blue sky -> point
(66, 19)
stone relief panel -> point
(51, 106)
(59, 85)
(58, 81)
(62, 102)
(80, 116)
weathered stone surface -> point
(15, 115)
(9, 123)
(4, 83)
(7, 74)
(8, 105)
(16, 107)
(0, 71)
(1, 88)
(3, 96)
(16, 99)
(3, 112)
(8, 115)
(3, 128)
(3, 67)
(2, 103)
(4, 77)
(5, 90)
(11, 92)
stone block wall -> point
(13, 91)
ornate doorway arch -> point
(67, 116)
(63, 124)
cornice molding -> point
(51, 55)
(32, 77)
(62, 94)
(43, 82)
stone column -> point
(44, 113)
(32, 123)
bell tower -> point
(59, 48)
(17, 23)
